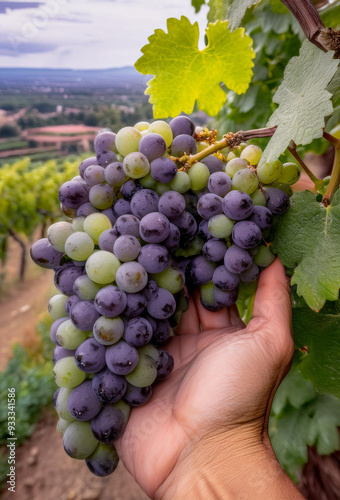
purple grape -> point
(107, 240)
(108, 425)
(214, 250)
(246, 234)
(110, 301)
(151, 289)
(183, 144)
(108, 387)
(103, 461)
(43, 254)
(225, 298)
(86, 209)
(114, 174)
(60, 352)
(154, 258)
(126, 248)
(144, 202)
(173, 240)
(121, 358)
(163, 170)
(277, 200)
(138, 332)
(224, 279)
(162, 306)
(237, 205)
(209, 205)
(110, 215)
(128, 189)
(219, 183)
(83, 403)
(127, 224)
(90, 356)
(182, 125)
(186, 224)
(136, 303)
(72, 194)
(54, 327)
(154, 227)
(84, 315)
(165, 364)
(262, 217)
(162, 332)
(237, 260)
(203, 230)
(122, 207)
(213, 163)
(94, 174)
(137, 396)
(250, 274)
(171, 204)
(104, 140)
(200, 271)
(152, 146)
(86, 163)
(64, 279)
(106, 158)
(70, 303)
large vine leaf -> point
(237, 11)
(217, 10)
(317, 336)
(184, 74)
(307, 239)
(303, 100)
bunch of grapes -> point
(140, 228)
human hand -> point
(207, 422)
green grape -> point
(62, 426)
(86, 289)
(102, 196)
(199, 175)
(78, 440)
(62, 405)
(291, 173)
(258, 198)
(161, 188)
(264, 256)
(79, 246)
(251, 154)
(231, 156)
(127, 140)
(95, 224)
(120, 157)
(67, 374)
(144, 374)
(136, 165)
(220, 226)
(235, 165)
(269, 172)
(181, 183)
(78, 223)
(162, 128)
(201, 146)
(245, 180)
(206, 292)
(70, 337)
(102, 266)
(58, 233)
(108, 331)
(142, 126)
(124, 408)
(106, 457)
(171, 279)
(148, 182)
(56, 306)
(150, 351)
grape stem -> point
(230, 139)
(335, 177)
(317, 182)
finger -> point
(211, 319)
(272, 300)
(189, 322)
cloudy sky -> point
(83, 33)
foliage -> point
(30, 373)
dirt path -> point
(45, 472)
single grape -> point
(207, 298)
(235, 165)
(258, 198)
(78, 223)
(108, 331)
(107, 239)
(278, 200)
(61, 404)
(136, 165)
(84, 315)
(251, 154)
(172, 279)
(56, 306)
(220, 226)
(70, 303)
(162, 128)
(199, 175)
(145, 372)
(163, 170)
(182, 125)
(181, 182)
(137, 396)
(262, 217)
(246, 234)
(94, 174)
(69, 336)
(127, 140)
(102, 196)
(128, 189)
(213, 163)
(72, 194)
(58, 233)
(154, 227)
(61, 352)
(110, 301)
(45, 255)
(103, 461)
(186, 224)
(114, 174)
(270, 172)
(102, 266)
(86, 209)
(225, 298)
(90, 356)
(165, 364)
(109, 424)
(136, 303)
(122, 207)
(209, 205)
(79, 246)
(95, 225)
(109, 387)
(245, 180)
(64, 278)
(78, 440)
(264, 256)
(83, 402)
(214, 250)
(121, 358)
(131, 277)
(237, 260)
(237, 205)
(85, 288)
(85, 163)
(162, 306)
(138, 332)
(67, 374)
(154, 258)
(62, 426)
(172, 242)
(200, 271)
(224, 279)
(250, 274)
(127, 224)
(161, 334)
(219, 183)
(152, 146)
(144, 202)
(142, 126)
(183, 144)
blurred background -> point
(66, 71)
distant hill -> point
(125, 77)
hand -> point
(208, 421)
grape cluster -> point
(140, 229)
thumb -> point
(272, 300)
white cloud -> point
(84, 33)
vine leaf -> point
(237, 11)
(197, 4)
(217, 10)
(308, 239)
(184, 74)
(317, 336)
(303, 100)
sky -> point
(83, 34)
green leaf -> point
(294, 391)
(308, 239)
(303, 100)
(183, 73)
(237, 11)
(330, 15)
(217, 10)
(317, 335)
(197, 4)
